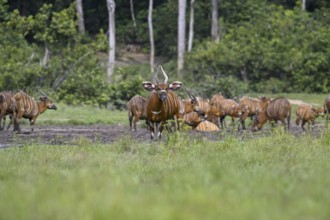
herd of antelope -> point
(164, 109)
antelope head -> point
(48, 103)
(162, 88)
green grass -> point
(276, 177)
(81, 115)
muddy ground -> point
(74, 134)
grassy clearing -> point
(276, 177)
(81, 115)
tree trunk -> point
(214, 23)
(181, 36)
(112, 41)
(80, 12)
(244, 74)
(191, 25)
(45, 59)
(151, 36)
(303, 5)
(132, 15)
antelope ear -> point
(148, 86)
(175, 85)
(43, 98)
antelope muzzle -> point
(162, 95)
(53, 106)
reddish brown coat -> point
(326, 107)
(250, 106)
(207, 126)
(136, 109)
(27, 107)
(278, 109)
(7, 105)
(307, 114)
(162, 105)
(192, 119)
(225, 107)
(202, 106)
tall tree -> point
(191, 25)
(181, 35)
(80, 12)
(214, 22)
(151, 36)
(112, 40)
(303, 5)
(132, 15)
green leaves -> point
(276, 48)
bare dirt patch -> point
(73, 134)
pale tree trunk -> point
(214, 23)
(303, 5)
(80, 12)
(132, 15)
(191, 25)
(151, 36)
(181, 36)
(112, 41)
(45, 59)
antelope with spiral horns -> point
(162, 104)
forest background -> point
(264, 46)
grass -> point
(276, 177)
(81, 115)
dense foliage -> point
(266, 46)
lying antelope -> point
(27, 107)
(207, 126)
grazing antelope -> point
(327, 109)
(136, 109)
(278, 109)
(162, 104)
(28, 107)
(307, 113)
(7, 105)
(251, 105)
